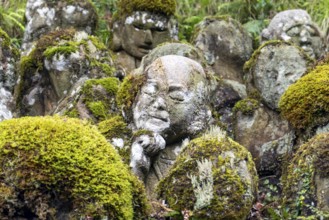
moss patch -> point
(299, 181)
(49, 159)
(127, 7)
(128, 91)
(232, 195)
(246, 106)
(6, 44)
(306, 102)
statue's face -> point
(171, 97)
(143, 31)
(307, 37)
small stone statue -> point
(139, 27)
(171, 106)
(296, 26)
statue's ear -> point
(116, 36)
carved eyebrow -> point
(176, 87)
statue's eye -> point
(312, 31)
(150, 89)
(160, 29)
(293, 32)
(177, 96)
(138, 26)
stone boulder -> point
(273, 68)
(306, 181)
(62, 168)
(225, 46)
(43, 16)
(264, 133)
(61, 61)
(8, 75)
(213, 176)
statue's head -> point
(296, 26)
(140, 26)
(173, 99)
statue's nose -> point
(148, 37)
(305, 36)
(159, 103)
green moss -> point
(127, 7)
(306, 102)
(65, 50)
(142, 132)
(60, 159)
(128, 91)
(246, 106)
(72, 113)
(5, 40)
(232, 195)
(110, 84)
(98, 109)
(299, 191)
(114, 127)
(103, 67)
(248, 66)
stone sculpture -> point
(296, 26)
(138, 27)
(171, 106)
(43, 16)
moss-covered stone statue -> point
(213, 178)
(62, 168)
(8, 75)
(305, 104)
(166, 104)
(296, 26)
(43, 16)
(138, 27)
(57, 68)
(306, 181)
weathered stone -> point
(138, 30)
(267, 136)
(274, 67)
(59, 60)
(225, 45)
(172, 103)
(8, 76)
(296, 26)
(213, 176)
(43, 16)
(306, 179)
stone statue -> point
(296, 26)
(171, 106)
(139, 27)
(43, 16)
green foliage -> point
(51, 159)
(306, 102)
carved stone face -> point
(306, 36)
(296, 26)
(143, 31)
(172, 101)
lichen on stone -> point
(55, 166)
(233, 172)
(306, 102)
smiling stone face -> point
(172, 102)
(143, 31)
(296, 26)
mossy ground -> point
(52, 161)
(232, 197)
(306, 103)
(299, 191)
